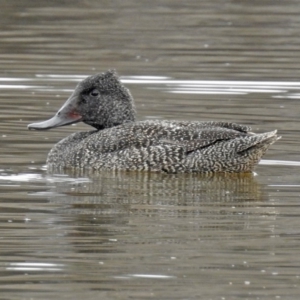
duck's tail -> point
(252, 148)
(257, 142)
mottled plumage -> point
(120, 143)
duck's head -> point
(99, 100)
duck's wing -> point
(197, 140)
(189, 135)
(238, 154)
(145, 134)
(233, 141)
(214, 124)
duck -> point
(119, 142)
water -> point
(118, 235)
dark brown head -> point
(99, 100)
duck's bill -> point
(56, 121)
(65, 116)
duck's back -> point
(168, 146)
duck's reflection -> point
(108, 189)
(186, 203)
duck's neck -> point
(102, 126)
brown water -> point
(150, 236)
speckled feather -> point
(164, 146)
(120, 143)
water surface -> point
(128, 235)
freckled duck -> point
(120, 143)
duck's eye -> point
(94, 93)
